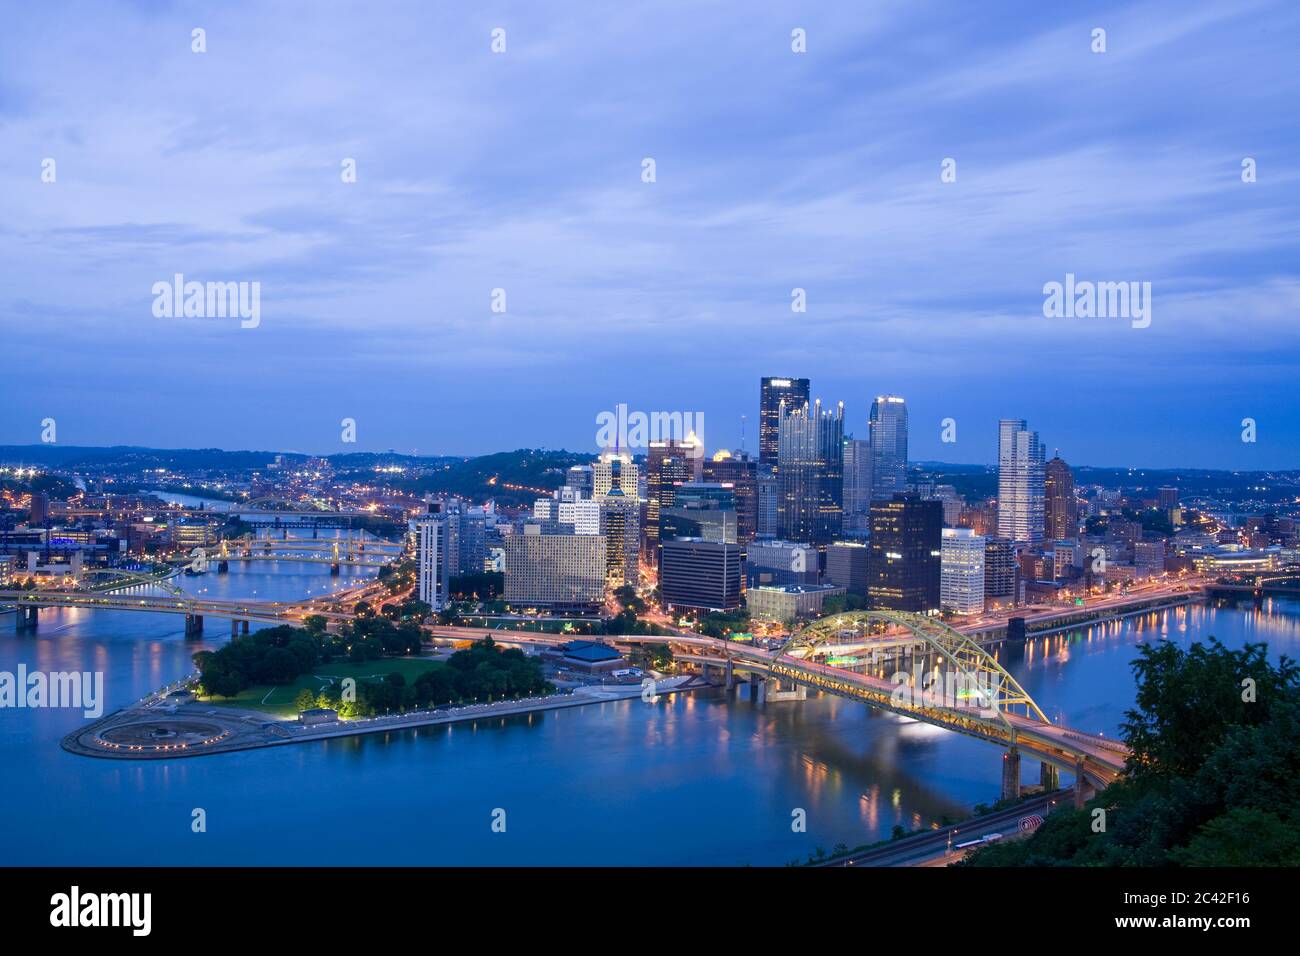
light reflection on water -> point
(692, 779)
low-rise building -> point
(790, 603)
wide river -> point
(701, 778)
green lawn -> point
(277, 699)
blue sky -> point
(775, 170)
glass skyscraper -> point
(810, 473)
(1021, 492)
(888, 437)
(772, 392)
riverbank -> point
(156, 730)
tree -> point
(1214, 777)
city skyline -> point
(473, 174)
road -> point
(931, 847)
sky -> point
(774, 170)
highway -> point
(931, 848)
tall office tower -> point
(810, 473)
(999, 572)
(1021, 495)
(1060, 508)
(772, 392)
(846, 566)
(473, 540)
(559, 571)
(767, 520)
(961, 571)
(903, 567)
(610, 466)
(580, 478)
(1167, 498)
(741, 473)
(40, 509)
(887, 433)
(700, 575)
(700, 509)
(857, 481)
(453, 511)
(669, 463)
(620, 523)
(431, 560)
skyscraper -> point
(903, 568)
(607, 468)
(772, 392)
(999, 572)
(961, 574)
(857, 480)
(431, 559)
(1021, 495)
(669, 463)
(810, 473)
(1060, 508)
(620, 519)
(888, 437)
(700, 509)
(741, 473)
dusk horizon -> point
(564, 445)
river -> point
(701, 778)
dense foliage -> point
(481, 673)
(1215, 774)
(279, 655)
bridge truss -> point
(976, 669)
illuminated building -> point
(700, 575)
(961, 573)
(1060, 507)
(741, 473)
(1020, 482)
(846, 566)
(669, 463)
(999, 572)
(904, 564)
(789, 603)
(810, 473)
(560, 571)
(887, 434)
(772, 393)
(431, 562)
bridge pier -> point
(25, 619)
(193, 625)
(1011, 773)
(223, 567)
(731, 675)
(334, 570)
(1049, 776)
(243, 627)
(1083, 791)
